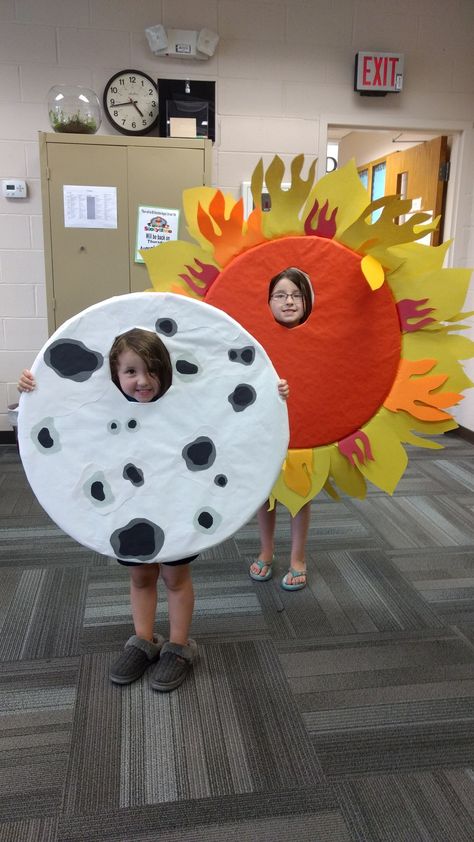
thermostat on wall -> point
(14, 188)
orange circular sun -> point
(376, 364)
(351, 330)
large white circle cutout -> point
(153, 481)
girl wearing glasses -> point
(290, 297)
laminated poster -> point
(155, 226)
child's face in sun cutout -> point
(287, 303)
(135, 379)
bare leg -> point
(299, 534)
(143, 598)
(179, 586)
(266, 523)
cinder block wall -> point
(281, 69)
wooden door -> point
(420, 173)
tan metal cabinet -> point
(86, 265)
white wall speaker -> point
(207, 41)
(157, 38)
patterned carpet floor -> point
(340, 713)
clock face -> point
(131, 102)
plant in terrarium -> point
(73, 109)
(62, 122)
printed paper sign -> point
(155, 226)
(89, 207)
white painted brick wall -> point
(281, 68)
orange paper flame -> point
(415, 396)
(233, 235)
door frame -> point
(461, 132)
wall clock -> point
(131, 102)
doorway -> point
(366, 143)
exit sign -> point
(377, 74)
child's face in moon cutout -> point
(135, 380)
(287, 303)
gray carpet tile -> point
(43, 617)
(417, 521)
(340, 713)
(385, 704)
(313, 814)
(421, 807)
(93, 774)
(33, 830)
(37, 700)
(445, 582)
(216, 736)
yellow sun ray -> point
(283, 217)
(342, 192)
(446, 350)
(167, 264)
(367, 237)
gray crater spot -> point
(133, 425)
(98, 490)
(71, 359)
(133, 474)
(221, 480)
(242, 397)
(45, 437)
(207, 520)
(187, 366)
(138, 540)
(245, 356)
(167, 327)
(199, 454)
(114, 427)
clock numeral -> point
(144, 122)
(116, 113)
(111, 101)
(123, 122)
(153, 103)
(150, 91)
(150, 114)
(132, 79)
(121, 81)
(134, 125)
(114, 90)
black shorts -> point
(168, 563)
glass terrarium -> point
(73, 108)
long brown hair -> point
(301, 280)
(149, 348)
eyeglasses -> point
(282, 296)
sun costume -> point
(376, 365)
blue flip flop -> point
(261, 564)
(293, 574)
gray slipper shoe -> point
(136, 657)
(175, 662)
